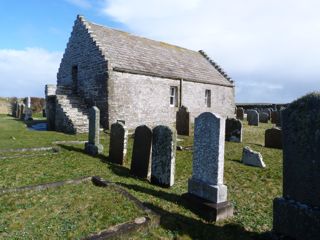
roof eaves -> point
(138, 72)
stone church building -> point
(133, 79)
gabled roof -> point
(128, 53)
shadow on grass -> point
(184, 225)
(116, 169)
(197, 229)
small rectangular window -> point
(174, 96)
(207, 98)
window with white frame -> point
(174, 96)
(207, 98)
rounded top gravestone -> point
(301, 150)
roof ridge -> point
(137, 36)
(216, 66)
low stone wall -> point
(5, 105)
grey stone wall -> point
(222, 99)
(82, 50)
(140, 99)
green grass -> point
(250, 189)
(70, 211)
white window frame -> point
(173, 96)
(207, 98)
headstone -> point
(250, 113)
(205, 188)
(274, 117)
(273, 138)
(163, 156)
(240, 113)
(141, 153)
(16, 108)
(27, 114)
(118, 143)
(233, 130)
(297, 213)
(93, 146)
(263, 117)
(18, 111)
(253, 118)
(278, 123)
(21, 114)
(183, 123)
(252, 158)
(28, 102)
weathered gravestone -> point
(274, 117)
(253, 158)
(278, 123)
(253, 118)
(93, 146)
(183, 123)
(163, 156)
(21, 114)
(273, 138)
(297, 213)
(206, 192)
(118, 143)
(240, 113)
(141, 153)
(18, 111)
(263, 117)
(233, 130)
(28, 110)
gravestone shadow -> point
(184, 225)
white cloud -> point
(81, 3)
(25, 72)
(267, 40)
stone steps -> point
(74, 109)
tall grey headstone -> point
(274, 117)
(183, 123)
(233, 130)
(18, 110)
(253, 118)
(118, 143)
(163, 156)
(28, 102)
(22, 108)
(93, 146)
(208, 166)
(240, 113)
(297, 213)
(141, 153)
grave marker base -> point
(209, 211)
(93, 149)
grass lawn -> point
(70, 211)
(250, 189)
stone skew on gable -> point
(91, 34)
(216, 66)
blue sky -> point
(269, 47)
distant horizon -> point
(267, 48)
